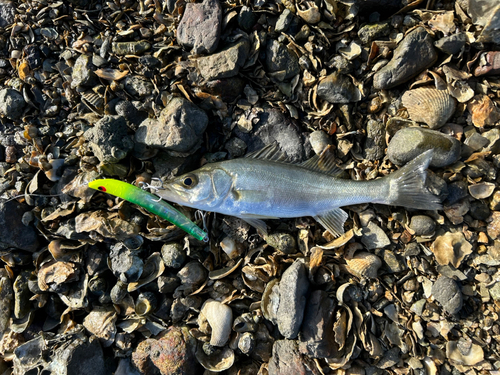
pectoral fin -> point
(333, 221)
(257, 224)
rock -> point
(455, 212)
(374, 237)
(447, 292)
(317, 337)
(489, 64)
(236, 147)
(82, 72)
(293, 288)
(408, 143)
(11, 103)
(33, 56)
(436, 185)
(495, 201)
(126, 264)
(225, 63)
(130, 112)
(337, 88)
(137, 86)
(247, 18)
(284, 21)
(283, 242)
(109, 140)
(200, 27)
(383, 6)
(227, 88)
(12, 231)
(80, 358)
(280, 59)
(391, 262)
(456, 191)
(451, 44)
(495, 291)
(390, 358)
(414, 53)
(7, 13)
(494, 225)
(422, 225)
(373, 31)
(173, 255)
(479, 210)
(287, 360)
(192, 273)
(375, 140)
(130, 48)
(319, 141)
(341, 64)
(179, 128)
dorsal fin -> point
(325, 163)
(269, 152)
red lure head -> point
(101, 188)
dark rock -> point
(150, 62)
(179, 128)
(236, 147)
(167, 284)
(13, 233)
(479, 210)
(280, 59)
(173, 255)
(415, 53)
(293, 288)
(382, 6)
(7, 13)
(199, 29)
(447, 292)
(373, 31)
(284, 21)
(137, 86)
(456, 191)
(82, 358)
(287, 360)
(375, 140)
(126, 264)
(341, 64)
(390, 358)
(82, 72)
(247, 18)
(109, 139)
(129, 111)
(11, 103)
(229, 89)
(33, 56)
(412, 249)
(451, 44)
(337, 88)
(225, 63)
(317, 337)
(422, 225)
(408, 143)
(130, 48)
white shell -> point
(482, 190)
(220, 319)
(431, 106)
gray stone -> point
(225, 63)
(414, 54)
(173, 255)
(392, 262)
(338, 88)
(280, 59)
(373, 31)
(128, 110)
(316, 336)
(192, 274)
(33, 56)
(11, 103)
(457, 190)
(138, 86)
(408, 143)
(82, 72)
(451, 44)
(479, 210)
(341, 64)
(447, 292)
(109, 140)
(284, 20)
(422, 225)
(80, 358)
(247, 18)
(12, 231)
(130, 48)
(293, 288)
(287, 360)
(374, 237)
(179, 128)
(236, 147)
(200, 27)
(319, 141)
(7, 13)
(126, 264)
(375, 140)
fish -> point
(265, 185)
(149, 202)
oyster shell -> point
(217, 362)
(482, 190)
(431, 106)
(364, 265)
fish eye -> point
(101, 188)
(190, 181)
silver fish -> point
(262, 185)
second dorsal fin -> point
(325, 163)
(269, 152)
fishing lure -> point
(150, 202)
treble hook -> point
(144, 186)
(199, 214)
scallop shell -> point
(220, 319)
(428, 105)
(364, 265)
(482, 190)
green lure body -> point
(150, 202)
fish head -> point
(204, 188)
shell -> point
(451, 248)
(364, 265)
(220, 319)
(217, 362)
(153, 268)
(428, 105)
(309, 11)
(145, 303)
(482, 190)
(465, 353)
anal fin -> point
(333, 221)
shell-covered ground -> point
(143, 91)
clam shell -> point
(364, 265)
(428, 105)
(482, 190)
(220, 319)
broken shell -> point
(364, 265)
(482, 190)
(101, 323)
(270, 301)
(220, 319)
(145, 303)
(308, 11)
(153, 268)
(230, 247)
(63, 250)
(244, 323)
(216, 362)
(451, 248)
(463, 352)
(431, 106)
(111, 74)
(22, 304)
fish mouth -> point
(170, 193)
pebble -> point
(173, 255)
(422, 225)
(495, 291)
(319, 141)
(374, 237)
(447, 292)
(414, 54)
(493, 228)
(451, 44)
(236, 147)
(476, 142)
(225, 63)
(390, 358)
(12, 234)
(82, 72)
(7, 13)
(375, 140)
(373, 31)
(179, 127)
(338, 88)
(11, 103)
(167, 284)
(109, 140)
(130, 48)
(129, 111)
(192, 273)
(200, 27)
(137, 86)
(392, 262)
(456, 211)
(293, 289)
(317, 336)
(280, 59)
(125, 264)
(287, 360)
(457, 190)
(408, 143)
(284, 21)
(479, 210)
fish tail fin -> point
(407, 185)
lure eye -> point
(101, 188)
(190, 181)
